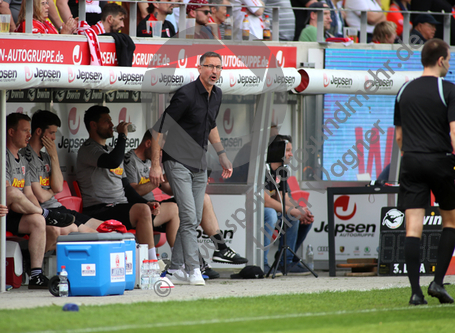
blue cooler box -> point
(130, 260)
(95, 263)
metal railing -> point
(275, 19)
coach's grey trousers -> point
(189, 190)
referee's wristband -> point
(221, 152)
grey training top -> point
(17, 171)
(98, 185)
(138, 171)
(40, 171)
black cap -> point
(249, 272)
(319, 4)
(425, 18)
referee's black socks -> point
(445, 251)
(412, 257)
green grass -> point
(352, 311)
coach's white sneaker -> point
(177, 276)
(196, 278)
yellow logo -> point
(18, 183)
(44, 181)
(118, 171)
(144, 180)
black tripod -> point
(283, 185)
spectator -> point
(157, 12)
(424, 28)
(105, 190)
(384, 33)
(11, 7)
(137, 167)
(200, 10)
(299, 219)
(374, 14)
(337, 17)
(218, 16)
(40, 23)
(395, 16)
(45, 174)
(286, 19)
(112, 19)
(437, 6)
(25, 215)
(70, 8)
(247, 7)
(301, 16)
(310, 33)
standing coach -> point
(190, 122)
(425, 132)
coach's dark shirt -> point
(188, 121)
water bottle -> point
(145, 279)
(155, 273)
(227, 27)
(131, 128)
(310, 257)
(63, 284)
(246, 28)
(267, 32)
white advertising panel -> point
(234, 234)
(357, 224)
(326, 81)
(160, 80)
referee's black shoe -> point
(58, 219)
(435, 290)
(417, 300)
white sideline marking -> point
(236, 320)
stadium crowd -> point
(297, 18)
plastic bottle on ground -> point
(63, 284)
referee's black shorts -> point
(425, 172)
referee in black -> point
(425, 132)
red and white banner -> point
(158, 80)
(173, 53)
(325, 81)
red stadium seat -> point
(297, 193)
(77, 189)
(73, 203)
(160, 195)
(66, 192)
(293, 184)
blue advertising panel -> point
(344, 154)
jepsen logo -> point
(28, 73)
(112, 77)
(122, 115)
(77, 55)
(182, 60)
(325, 80)
(71, 75)
(280, 58)
(73, 121)
(231, 79)
(393, 219)
(344, 213)
(154, 78)
(228, 121)
(268, 80)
